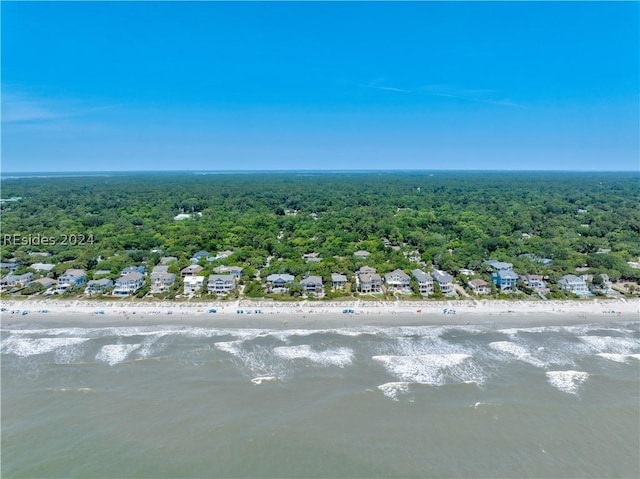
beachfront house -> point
(505, 279)
(445, 282)
(128, 284)
(502, 275)
(479, 286)
(606, 286)
(279, 283)
(161, 279)
(221, 284)
(13, 280)
(46, 283)
(312, 284)
(398, 280)
(193, 285)
(535, 282)
(71, 277)
(161, 282)
(368, 280)
(98, 285)
(191, 270)
(235, 271)
(338, 281)
(361, 254)
(574, 284)
(425, 282)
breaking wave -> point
(432, 369)
(567, 381)
(113, 354)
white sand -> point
(311, 313)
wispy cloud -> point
(471, 95)
(388, 88)
(18, 108)
(379, 85)
(25, 108)
(488, 97)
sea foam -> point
(331, 357)
(432, 369)
(567, 381)
(517, 351)
(113, 354)
(393, 389)
(618, 358)
(611, 344)
(25, 347)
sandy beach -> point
(248, 313)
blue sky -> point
(322, 85)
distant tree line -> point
(452, 220)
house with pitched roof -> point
(312, 284)
(98, 285)
(133, 269)
(10, 265)
(193, 285)
(368, 281)
(42, 266)
(17, 279)
(445, 282)
(161, 279)
(505, 279)
(46, 282)
(503, 275)
(574, 284)
(279, 283)
(535, 282)
(479, 286)
(72, 277)
(128, 284)
(425, 282)
(165, 260)
(398, 280)
(199, 255)
(496, 265)
(235, 271)
(191, 270)
(338, 281)
(221, 284)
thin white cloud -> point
(24, 108)
(477, 96)
(378, 85)
(389, 88)
(485, 96)
(17, 108)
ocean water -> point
(421, 401)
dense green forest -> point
(452, 219)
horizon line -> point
(310, 170)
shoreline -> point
(305, 314)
